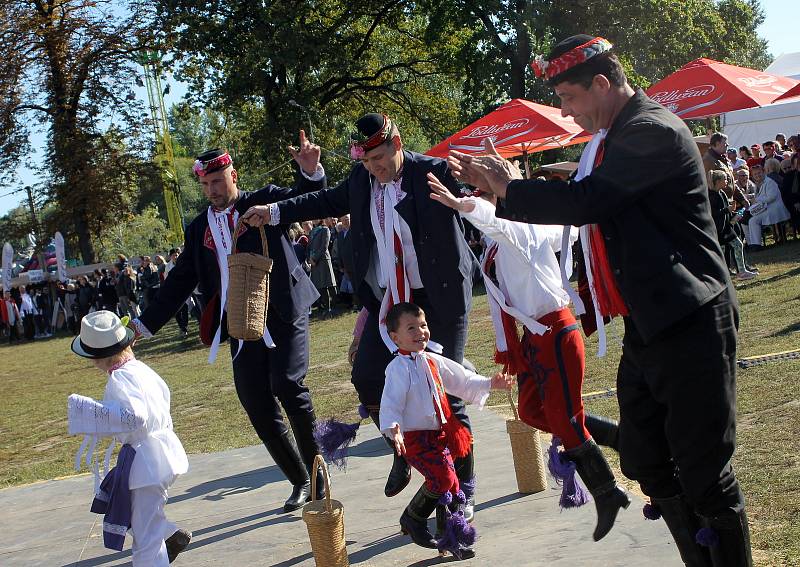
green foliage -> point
(135, 235)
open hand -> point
(489, 172)
(443, 195)
(257, 215)
(397, 437)
(306, 155)
(502, 381)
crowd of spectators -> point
(752, 190)
(37, 311)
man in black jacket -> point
(646, 200)
(262, 370)
(392, 217)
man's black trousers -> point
(265, 376)
(677, 398)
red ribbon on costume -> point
(609, 299)
(512, 359)
(458, 436)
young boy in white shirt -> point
(134, 411)
(416, 416)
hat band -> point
(359, 148)
(575, 56)
(104, 351)
(203, 168)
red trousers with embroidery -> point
(550, 387)
(427, 452)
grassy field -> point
(36, 378)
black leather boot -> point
(604, 430)
(593, 469)
(177, 542)
(414, 521)
(465, 471)
(733, 534)
(285, 455)
(683, 524)
(400, 474)
(303, 428)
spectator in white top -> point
(735, 161)
(768, 209)
(28, 312)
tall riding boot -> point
(729, 542)
(414, 520)
(593, 469)
(604, 430)
(287, 458)
(400, 475)
(303, 427)
(683, 524)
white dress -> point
(770, 194)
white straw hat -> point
(102, 334)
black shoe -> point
(604, 430)
(593, 469)
(732, 545)
(285, 455)
(414, 521)
(177, 542)
(303, 428)
(683, 524)
(400, 473)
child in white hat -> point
(134, 411)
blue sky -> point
(779, 28)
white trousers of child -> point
(150, 527)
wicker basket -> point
(526, 448)
(325, 522)
(248, 290)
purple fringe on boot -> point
(651, 511)
(707, 537)
(468, 486)
(458, 534)
(563, 470)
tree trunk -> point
(85, 244)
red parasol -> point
(791, 93)
(705, 87)
(516, 128)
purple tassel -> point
(651, 511)
(707, 537)
(333, 438)
(563, 470)
(468, 486)
(446, 498)
(458, 534)
(363, 412)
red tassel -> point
(458, 438)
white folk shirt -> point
(134, 410)
(406, 239)
(27, 307)
(408, 394)
(526, 266)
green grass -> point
(36, 378)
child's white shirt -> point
(135, 410)
(409, 394)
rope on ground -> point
(749, 361)
(89, 535)
(599, 394)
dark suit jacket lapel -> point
(407, 207)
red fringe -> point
(609, 299)
(458, 437)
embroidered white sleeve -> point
(87, 415)
(318, 174)
(393, 399)
(274, 214)
(465, 384)
(141, 329)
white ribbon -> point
(223, 242)
(585, 167)
(497, 301)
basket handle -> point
(264, 246)
(513, 405)
(319, 462)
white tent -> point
(787, 65)
(757, 125)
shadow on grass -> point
(788, 330)
(759, 282)
(220, 488)
(196, 544)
